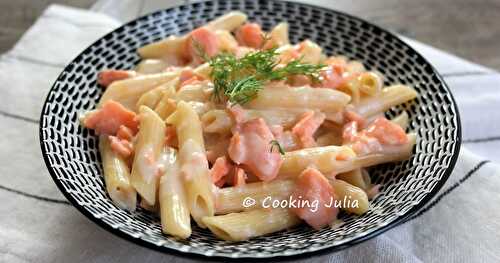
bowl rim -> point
(249, 258)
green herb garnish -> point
(275, 143)
(240, 80)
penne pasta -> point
(168, 50)
(151, 66)
(153, 97)
(167, 104)
(174, 210)
(228, 22)
(166, 91)
(201, 107)
(116, 176)
(282, 96)
(128, 91)
(171, 48)
(245, 225)
(310, 52)
(195, 92)
(370, 83)
(352, 88)
(279, 35)
(357, 177)
(358, 200)
(193, 161)
(230, 199)
(203, 70)
(148, 148)
(389, 97)
(219, 121)
(341, 159)
(389, 154)
(401, 120)
(326, 159)
(227, 42)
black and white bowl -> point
(72, 157)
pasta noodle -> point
(196, 92)
(153, 97)
(389, 97)
(116, 177)
(148, 148)
(357, 178)
(169, 49)
(219, 121)
(340, 159)
(151, 66)
(344, 190)
(281, 96)
(128, 91)
(193, 161)
(401, 120)
(326, 159)
(174, 208)
(279, 35)
(245, 225)
(231, 199)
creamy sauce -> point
(151, 168)
(146, 163)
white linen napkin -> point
(38, 225)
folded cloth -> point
(38, 225)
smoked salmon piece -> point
(353, 116)
(364, 145)
(313, 187)
(201, 38)
(239, 177)
(250, 35)
(121, 146)
(371, 139)
(332, 77)
(307, 126)
(251, 146)
(125, 133)
(386, 132)
(221, 168)
(108, 76)
(108, 119)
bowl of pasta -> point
(249, 129)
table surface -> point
(466, 28)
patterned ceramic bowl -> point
(72, 157)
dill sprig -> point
(240, 79)
(275, 143)
(296, 67)
(243, 90)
